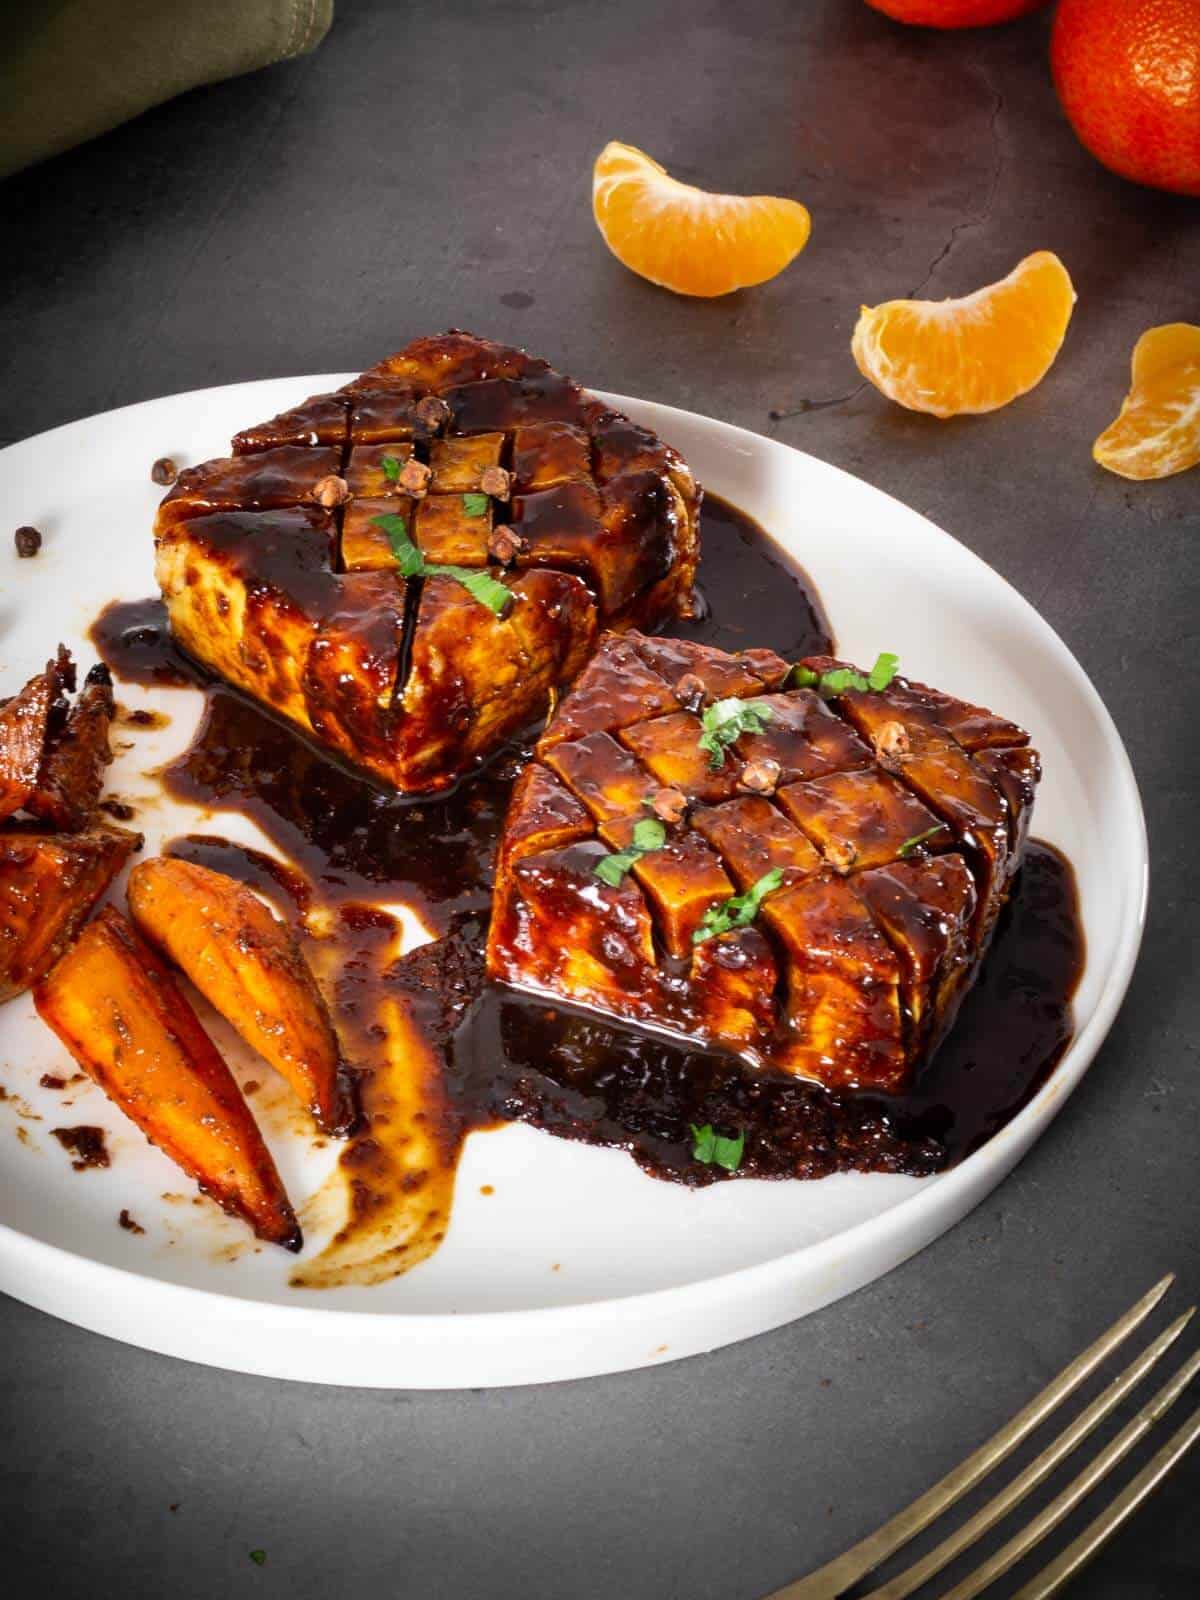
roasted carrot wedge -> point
(116, 1007)
(49, 884)
(247, 964)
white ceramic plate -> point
(578, 1263)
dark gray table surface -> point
(429, 166)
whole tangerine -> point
(955, 13)
(1128, 76)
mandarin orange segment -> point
(684, 238)
(1158, 431)
(974, 354)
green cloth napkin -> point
(71, 69)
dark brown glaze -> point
(349, 839)
(49, 886)
(86, 1144)
(890, 845)
(286, 476)
(256, 869)
(134, 638)
(53, 753)
(585, 1077)
(347, 843)
(272, 561)
(26, 722)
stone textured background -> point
(430, 165)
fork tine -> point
(1097, 1470)
(839, 1574)
(1097, 1534)
(1025, 1482)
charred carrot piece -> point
(114, 1004)
(248, 965)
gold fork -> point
(838, 1576)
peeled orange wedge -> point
(684, 238)
(1158, 431)
(974, 354)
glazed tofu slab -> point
(782, 861)
(406, 569)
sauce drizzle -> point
(441, 1053)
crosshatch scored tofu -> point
(458, 465)
(448, 533)
(365, 544)
(373, 471)
(253, 552)
(890, 839)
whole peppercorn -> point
(164, 471)
(330, 491)
(27, 540)
(761, 777)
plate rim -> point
(1001, 1151)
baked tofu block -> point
(814, 893)
(481, 459)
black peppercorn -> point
(28, 541)
(164, 470)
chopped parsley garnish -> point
(913, 844)
(884, 670)
(408, 558)
(391, 468)
(478, 582)
(475, 505)
(725, 721)
(259, 1557)
(648, 834)
(740, 910)
(839, 679)
(713, 1148)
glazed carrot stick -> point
(114, 1004)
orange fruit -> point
(1158, 431)
(1128, 76)
(973, 354)
(955, 13)
(687, 239)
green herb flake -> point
(613, 868)
(259, 1557)
(391, 468)
(884, 670)
(740, 910)
(475, 505)
(713, 1149)
(841, 679)
(408, 558)
(913, 844)
(838, 679)
(478, 583)
(649, 834)
(725, 721)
